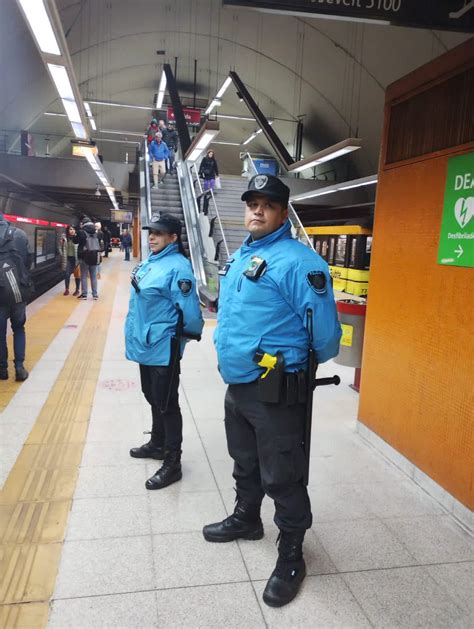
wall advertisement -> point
(456, 243)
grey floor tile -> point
(117, 611)
(260, 555)
(112, 480)
(185, 559)
(364, 468)
(399, 499)
(113, 454)
(232, 605)
(433, 539)
(121, 429)
(361, 545)
(222, 470)
(323, 602)
(337, 502)
(99, 518)
(458, 581)
(405, 598)
(105, 566)
(185, 511)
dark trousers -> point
(167, 428)
(266, 443)
(17, 316)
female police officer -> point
(163, 314)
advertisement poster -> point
(456, 243)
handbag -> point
(77, 272)
(218, 184)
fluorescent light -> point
(249, 139)
(205, 140)
(215, 102)
(161, 91)
(229, 117)
(61, 80)
(226, 143)
(93, 125)
(40, 24)
(344, 185)
(341, 148)
(50, 113)
(72, 111)
(88, 109)
(79, 130)
(194, 155)
(126, 105)
(224, 86)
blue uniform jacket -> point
(165, 280)
(158, 151)
(270, 313)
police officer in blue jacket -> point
(163, 315)
(267, 290)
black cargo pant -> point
(167, 428)
(266, 443)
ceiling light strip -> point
(344, 185)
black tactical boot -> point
(3, 373)
(244, 523)
(21, 374)
(148, 451)
(290, 570)
(169, 472)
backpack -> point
(15, 285)
(91, 250)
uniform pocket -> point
(285, 461)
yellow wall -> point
(417, 389)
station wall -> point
(418, 371)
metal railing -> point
(145, 197)
(295, 221)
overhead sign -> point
(121, 216)
(456, 243)
(192, 116)
(451, 15)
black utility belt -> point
(288, 389)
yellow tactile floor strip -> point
(41, 328)
(37, 496)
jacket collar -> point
(171, 248)
(280, 234)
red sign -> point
(192, 116)
(31, 221)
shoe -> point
(169, 472)
(148, 451)
(244, 523)
(290, 570)
(21, 374)
(66, 292)
(82, 297)
(75, 293)
(98, 276)
(95, 297)
(3, 373)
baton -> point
(311, 383)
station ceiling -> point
(330, 74)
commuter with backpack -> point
(15, 289)
(89, 256)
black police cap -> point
(165, 223)
(270, 186)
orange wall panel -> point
(418, 364)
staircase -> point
(231, 212)
(166, 199)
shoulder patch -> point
(317, 281)
(185, 286)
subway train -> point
(44, 225)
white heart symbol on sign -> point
(464, 210)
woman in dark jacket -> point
(209, 170)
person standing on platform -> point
(271, 290)
(126, 240)
(163, 315)
(170, 137)
(106, 235)
(159, 154)
(15, 289)
(100, 236)
(69, 260)
(88, 253)
(209, 170)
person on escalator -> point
(159, 153)
(163, 315)
(209, 170)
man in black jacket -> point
(88, 254)
(170, 137)
(14, 244)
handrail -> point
(145, 198)
(201, 192)
(294, 216)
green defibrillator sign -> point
(456, 242)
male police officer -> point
(269, 292)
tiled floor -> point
(381, 552)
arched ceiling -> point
(332, 74)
